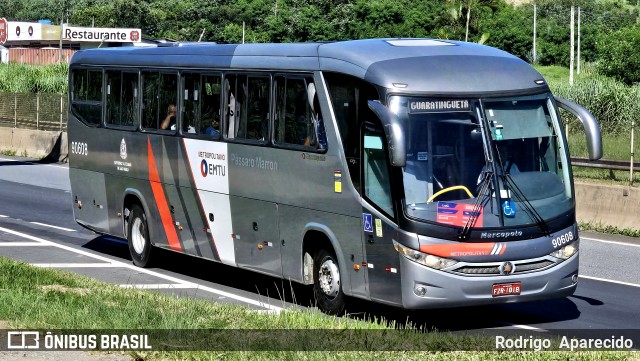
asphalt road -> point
(36, 214)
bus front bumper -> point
(445, 289)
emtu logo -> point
(204, 168)
(3, 30)
(212, 169)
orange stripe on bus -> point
(459, 250)
(504, 248)
(161, 202)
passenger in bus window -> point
(170, 119)
(213, 129)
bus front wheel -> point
(138, 237)
(327, 288)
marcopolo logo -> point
(212, 169)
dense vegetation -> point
(19, 78)
(506, 24)
(610, 34)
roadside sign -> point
(3, 30)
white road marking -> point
(143, 270)
(26, 161)
(3, 216)
(524, 327)
(612, 242)
(158, 286)
(22, 244)
(75, 265)
(56, 227)
(610, 281)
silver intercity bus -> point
(418, 173)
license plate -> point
(505, 289)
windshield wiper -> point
(509, 184)
(483, 194)
(528, 207)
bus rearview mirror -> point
(393, 133)
(590, 124)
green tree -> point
(618, 55)
(476, 5)
(507, 29)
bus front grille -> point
(494, 270)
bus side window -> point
(150, 84)
(168, 94)
(233, 103)
(122, 98)
(159, 101)
(377, 183)
(191, 98)
(297, 122)
(255, 125)
(86, 95)
(349, 98)
(211, 124)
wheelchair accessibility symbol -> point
(367, 222)
(509, 209)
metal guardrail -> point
(605, 164)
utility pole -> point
(243, 32)
(535, 14)
(61, 33)
(571, 56)
(578, 40)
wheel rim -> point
(137, 236)
(329, 278)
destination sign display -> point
(438, 105)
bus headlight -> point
(566, 251)
(425, 259)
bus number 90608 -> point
(562, 240)
(79, 148)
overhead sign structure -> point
(50, 32)
(26, 31)
(23, 31)
(109, 35)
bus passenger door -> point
(255, 228)
(383, 264)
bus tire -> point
(138, 237)
(327, 288)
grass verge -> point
(9, 152)
(35, 298)
(604, 228)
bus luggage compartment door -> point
(89, 195)
(255, 227)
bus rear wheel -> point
(327, 288)
(138, 237)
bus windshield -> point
(503, 156)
